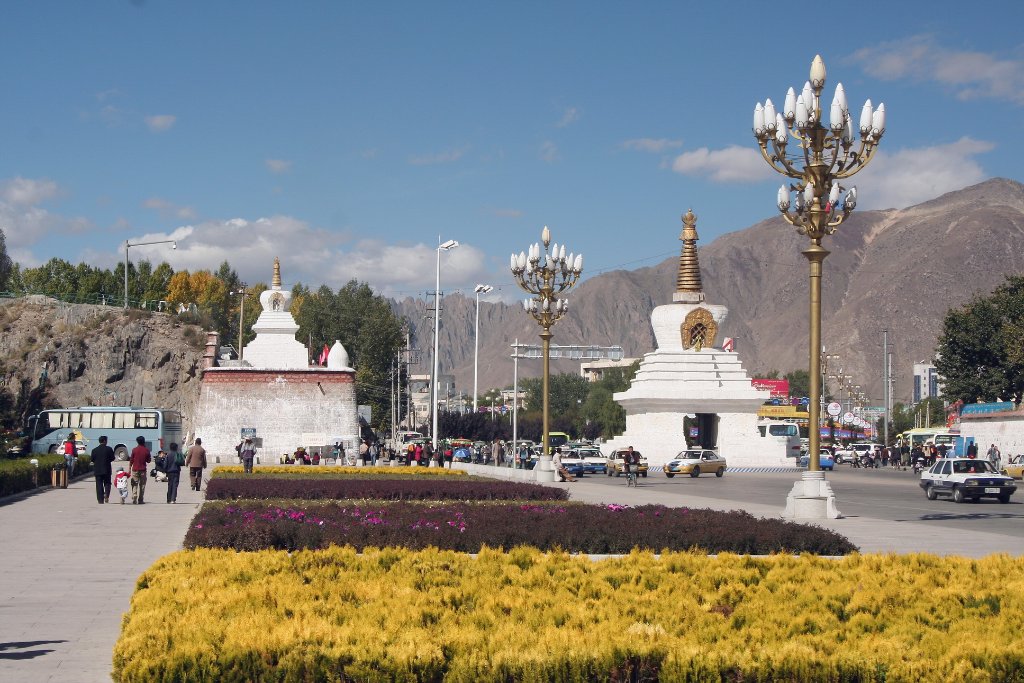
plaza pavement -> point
(68, 566)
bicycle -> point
(631, 477)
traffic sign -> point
(834, 409)
(848, 418)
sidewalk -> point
(67, 571)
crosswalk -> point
(740, 470)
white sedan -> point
(966, 479)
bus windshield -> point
(120, 425)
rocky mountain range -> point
(898, 270)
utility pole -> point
(885, 384)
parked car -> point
(614, 463)
(593, 461)
(966, 479)
(695, 462)
(825, 460)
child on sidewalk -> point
(121, 480)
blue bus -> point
(121, 426)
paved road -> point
(882, 494)
(884, 510)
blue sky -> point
(345, 137)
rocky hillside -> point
(899, 270)
(98, 355)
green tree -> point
(799, 383)
(5, 263)
(566, 393)
(601, 415)
(979, 352)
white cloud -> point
(309, 255)
(971, 75)
(734, 164)
(651, 144)
(911, 176)
(278, 165)
(25, 223)
(27, 192)
(549, 152)
(169, 209)
(160, 122)
(569, 117)
(444, 157)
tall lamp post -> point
(825, 154)
(241, 316)
(544, 275)
(479, 289)
(127, 246)
(441, 246)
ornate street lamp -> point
(826, 152)
(544, 275)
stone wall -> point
(288, 409)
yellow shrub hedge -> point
(393, 614)
(333, 470)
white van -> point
(786, 434)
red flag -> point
(323, 355)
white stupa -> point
(687, 375)
(275, 345)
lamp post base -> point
(811, 498)
(544, 471)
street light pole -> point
(446, 246)
(825, 155)
(241, 316)
(545, 275)
(479, 289)
(128, 245)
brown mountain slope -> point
(899, 270)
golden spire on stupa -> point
(276, 282)
(688, 280)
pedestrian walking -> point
(102, 460)
(994, 456)
(173, 463)
(374, 453)
(195, 460)
(121, 480)
(138, 462)
(70, 454)
(247, 451)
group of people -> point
(173, 460)
(919, 455)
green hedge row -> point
(16, 475)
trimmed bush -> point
(376, 487)
(16, 475)
(469, 527)
(398, 615)
(335, 471)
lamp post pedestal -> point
(544, 471)
(811, 498)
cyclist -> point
(630, 463)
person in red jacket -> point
(139, 460)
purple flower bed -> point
(467, 527)
(377, 488)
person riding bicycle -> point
(629, 459)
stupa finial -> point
(688, 279)
(276, 282)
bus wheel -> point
(121, 453)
